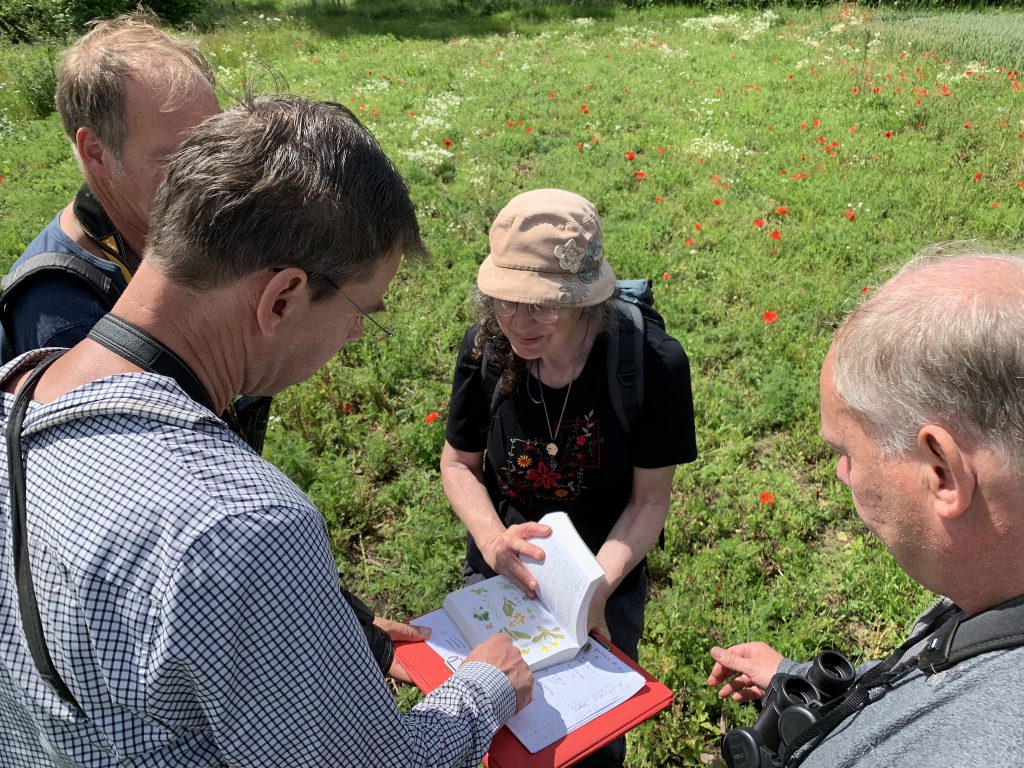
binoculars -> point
(790, 706)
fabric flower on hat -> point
(574, 289)
(570, 256)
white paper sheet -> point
(565, 696)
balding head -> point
(940, 343)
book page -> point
(565, 696)
(497, 605)
(567, 575)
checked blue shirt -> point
(190, 601)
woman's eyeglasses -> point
(542, 313)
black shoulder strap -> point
(65, 263)
(965, 636)
(139, 347)
(27, 606)
(626, 362)
(490, 380)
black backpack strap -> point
(31, 622)
(626, 362)
(490, 380)
(50, 262)
(65, 263)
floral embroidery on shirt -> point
(531, 475)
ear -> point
(948, 471)
(97, 160)
(279, 296)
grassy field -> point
(764, 167)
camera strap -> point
(149, 353)
(950, 638)
(28, 607)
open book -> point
(550, 628)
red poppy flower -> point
(551, 95)
(584, 109)
(666, 276)
(766, 497)
(697, 226)
(782, 210)
(447, 142)
(967, 125)
(850, 214)
(717, 201)
(690, 241)
(866, 290)
(888, 134)
(430, 418)
(529, 130)
(775, 235)
(977, 176)
(631, 155)
(770, 316)
(641, 174)
(661, 150)
(856, 90)
(510, 123)
(657, 199)
(817, 122)
(803, 126)
(758, 223)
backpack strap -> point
(626, 362)
(66, 263)
(50, 262)
(490, 380)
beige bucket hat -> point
(547, 248)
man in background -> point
(128, 94)
(922, 398)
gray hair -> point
(940, 343)
(502, 359)
(280, 181)
(92, 77)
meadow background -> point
(764, 166)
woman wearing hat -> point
(550, 440)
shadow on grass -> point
(419, 19)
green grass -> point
(819, 112)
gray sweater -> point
(969, 716)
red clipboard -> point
(428, 671)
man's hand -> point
(405, 632)
(503, 551)
(746, 669)
(498, 651)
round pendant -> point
(551, 448)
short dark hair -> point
(281, 181)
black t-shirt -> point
(591, 476)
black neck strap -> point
(97, 225)
(31, 622)
(149, 353)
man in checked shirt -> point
(181, 605)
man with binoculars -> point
(922, 399)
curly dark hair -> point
(502, 360)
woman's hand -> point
(503, 550)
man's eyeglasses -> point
(542, 313)
(383, 331)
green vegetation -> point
(781, 160)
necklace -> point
(552, 447)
